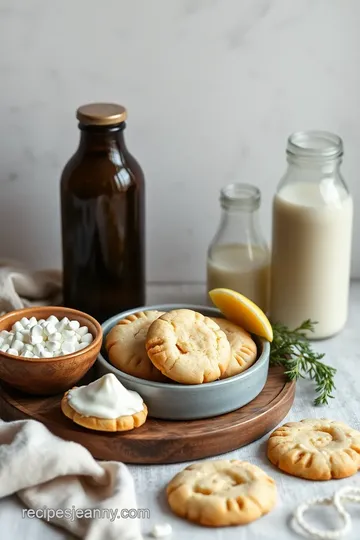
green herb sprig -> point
(291, 349)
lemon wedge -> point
(242, 311)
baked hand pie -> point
(188, 347)
(243, 347)
(104, 405)
(221, 493)
(316, 449)
(125, 345)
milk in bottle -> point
(311, 241)
(238, 256)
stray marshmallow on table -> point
(161, 530)
(32, 338)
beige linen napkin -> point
(46, 471)
(21, 288)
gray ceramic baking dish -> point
(189, 402)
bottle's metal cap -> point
(101, 114)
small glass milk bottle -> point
(312, 230)
(238, 257)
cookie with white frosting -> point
(104, 405)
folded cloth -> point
(46, 471)
(21, 288)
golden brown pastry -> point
(221, 493)
(243, 347)
(188, 347)
(316, 449)
(125, 345)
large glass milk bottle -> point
(238, 256)
(312, 230)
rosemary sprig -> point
(291, 349)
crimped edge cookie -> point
(190, 500)
(171, 348)
(297, 448)
(133, 317)
(137, 366)
(241, 358)
(122, 423)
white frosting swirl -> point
(105, 398)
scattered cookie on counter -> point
(221, 493)
(188, 347)
(243, 347)
(104, 405)
(315, 449)
(125, 345)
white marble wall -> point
(213, 88)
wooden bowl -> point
(47, 376)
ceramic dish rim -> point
(258, 365)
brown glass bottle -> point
(102, 214)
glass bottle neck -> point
(238, 215)
(98, 138)
(239, 225)
(314, 167)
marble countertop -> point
(342, 351)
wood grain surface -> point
(160, 441)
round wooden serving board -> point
(160, 441)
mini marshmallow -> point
(53, 346)
(72, 339)
(68, 334)
(87, 338)
(38, 349)
(80, 346)
(49, 329)
(68, 347)
(74, 325)
(42, 338)
(24, 321)
(52, 319)
(18, 335)
(17, 344)
(25, 336)
(34, 340)
(62, 324)
(17, 327)
(32, 322)
(36, 334)
(56, 336)
(82, 331)
(161, 530)
(46, 354)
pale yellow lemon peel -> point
(240, 310)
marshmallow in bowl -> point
(32, 338)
